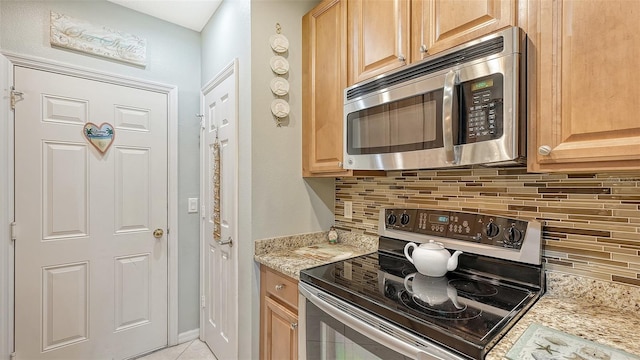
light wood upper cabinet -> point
(439, 25)
(585, 86)
(379, 32)
(387, 34)
(324, 77)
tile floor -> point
(190, 350)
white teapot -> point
(432, 290)
(431, 258)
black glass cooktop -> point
(467, 310)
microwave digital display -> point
(482, 85)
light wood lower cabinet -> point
(278, 316)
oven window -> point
(413, 123)
(329, 339)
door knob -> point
(157, 233)
(229, 242)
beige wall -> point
(283, 203)
(592, 220)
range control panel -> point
(477, 228)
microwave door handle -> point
(447, 115)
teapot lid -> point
(431, 245)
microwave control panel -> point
(483, 108)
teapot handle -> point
(406, 281)
(406, 250)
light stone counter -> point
(290, 254)
(603, 312)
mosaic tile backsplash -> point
(591, 221)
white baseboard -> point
(188, 336)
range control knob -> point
(492, 229)
(404, 219)
(513, 236)
(391, 219)
(390, 291)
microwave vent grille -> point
(483, 49)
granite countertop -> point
(290, 254)
(604, 312)
(600, 311)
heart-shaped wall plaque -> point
(99, 136)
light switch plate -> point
(193, 205)
(348, 209)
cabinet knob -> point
(279, 287)
(423, 48)
(544, 150)
(294, 326)
(401, 58)
(340, 164)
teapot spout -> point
(452, 264)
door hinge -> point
(13, 355)
(13, 231)
(203, 301)
(14, 95)
(201, 120)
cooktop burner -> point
(473, 288)
(448, 310)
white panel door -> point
(91, 279)
(220, 255)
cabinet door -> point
(587, 86)
(324, 79)
(379, 37)
(280, 332)
(438, 25)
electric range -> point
(461, 315)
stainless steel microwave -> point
(465, 106)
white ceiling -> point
(192, 14)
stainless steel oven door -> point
(333, 329)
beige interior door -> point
(220, 254)
(91, 278)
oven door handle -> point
(450, 81)
(365, 324)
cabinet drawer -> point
(281, 287)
